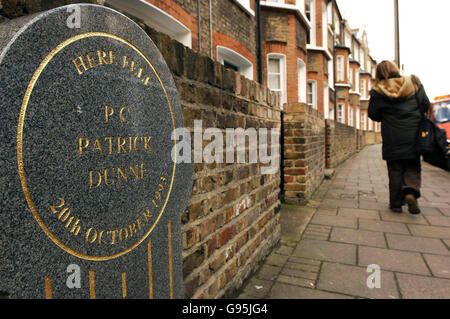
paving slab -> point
(276, 260)
(305, 261)
(383, 226)
(445, 211)
(359, 237)
(335, 203)
(352, 280)
(430, 231)
(419, 287)
(322, 250)
(347, 222)
(302, 267)
(268, 272)
(295, 281)
(438, 220)
(393, 260)
(285, 250)
(431, 211)
(373, 205)
(358, 213)
(419, 244)
(403, 218)
(257, 288)
(440, 265)
(284, 291)
(299, 273)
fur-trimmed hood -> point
(398, 88)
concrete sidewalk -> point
(327, 245)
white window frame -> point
(357, 81)
(302, 81)
(331, 73)
(245, 66)
(350, 114)
(358, 119)
(245, 4)
(350, 76)
(313, 35)
(324, 25)
(283, 86)
(341, 113)
(364, 121)
(326, 100)
(340, 60)
(364, 88)
(313, 94)
(156, 18)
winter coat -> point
(393, 102)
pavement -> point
(327, 245)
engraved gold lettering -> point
(125, 62)
(139, 74)
(147, 215)
(83, 142)
(126, 108)
(61, 204)
(121, 141)
(90, 60)
(111, 57)
(100, 235)
(76, 228)
(98, 146)
(147, 143)
(121, 173)
(109, 111)
(102, 57)
(134, 144)
(143, 171)
(106, 177)
(93, 237)
(79, 62)
(91, 179)
(146, 80)
(133, 229)
(135, 171)
(121, 238)
(66, 216)
(110, 144)
(62, 212)
(113, 236)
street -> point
(347, 227)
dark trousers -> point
(404, 179)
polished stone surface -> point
(87, 174)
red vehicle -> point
(440, 115)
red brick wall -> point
(232, 221)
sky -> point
(424, 39)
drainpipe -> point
(199, 27)
(211, 28)
(259, 42)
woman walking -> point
(395, 103)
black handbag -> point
(431, 139)
(432, 142)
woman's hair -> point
(387, 70)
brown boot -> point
(413, 206)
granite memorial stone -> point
(91, 198)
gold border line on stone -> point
(21, 168)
